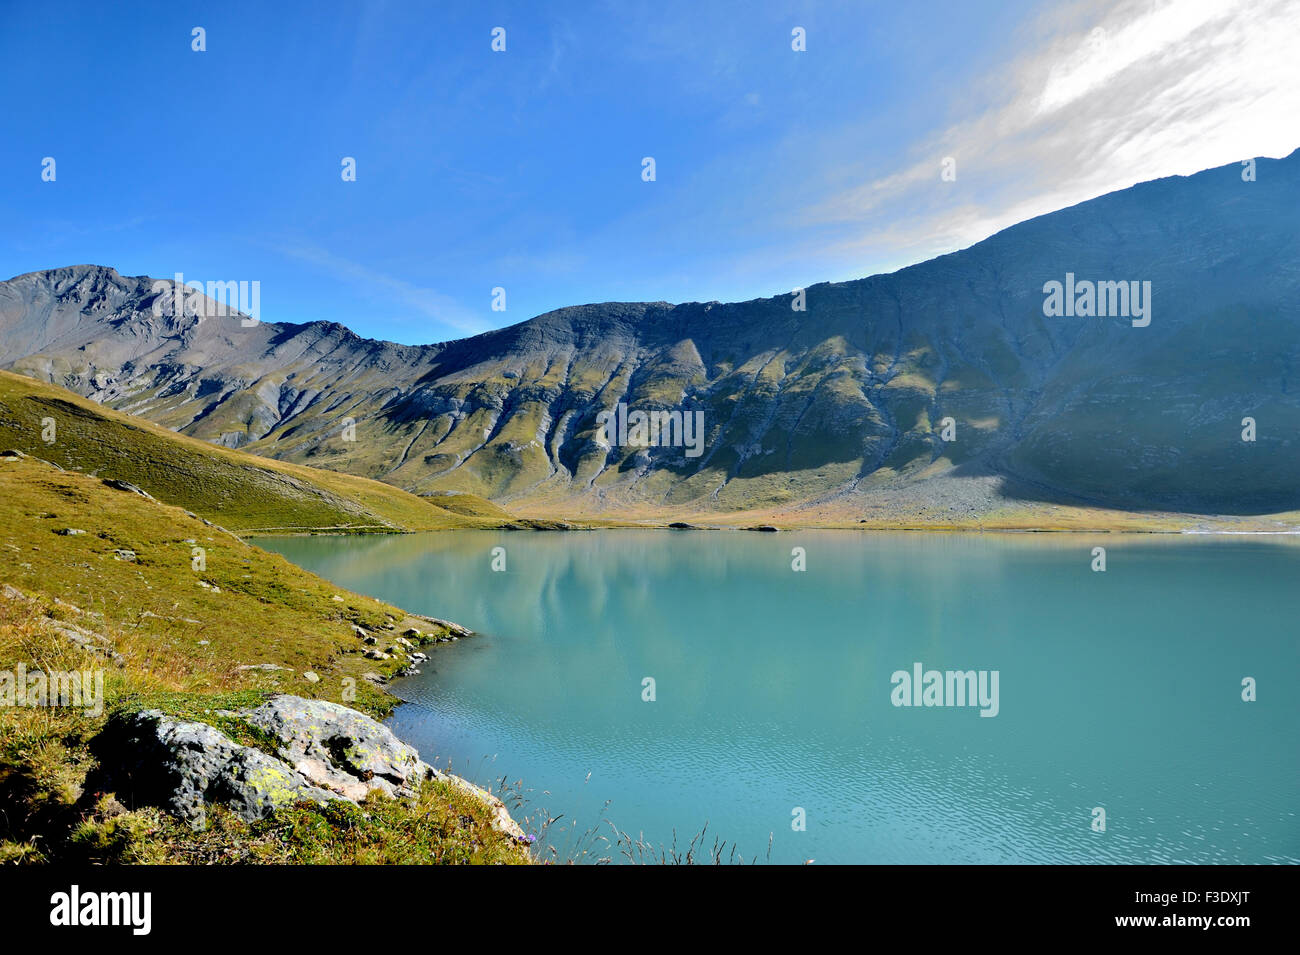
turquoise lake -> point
(1120, 690)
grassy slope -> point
(236, 490)
(187, 636)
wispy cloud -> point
(428, 302)
(1136, 90)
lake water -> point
(773, 692)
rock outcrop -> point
(340, 749)
(147, 758)
(322, 752)
(90, 640)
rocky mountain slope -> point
(839, 409)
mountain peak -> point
(948, 391)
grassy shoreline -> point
(188, 618)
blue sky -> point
(522, 169)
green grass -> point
(444, 826)
(185, 637)
(239, 491)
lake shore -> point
(771, 656)
(162, 616)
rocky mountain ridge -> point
(942, 388)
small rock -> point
(452, 627)
(87, 640)
(127, 486)
(124, 554)
(310, 677)
(70, 532)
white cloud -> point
(1139, 90)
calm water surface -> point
(1119, 690)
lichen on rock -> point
(149, 758)
(322, 752)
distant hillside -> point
(833, 412)
(239, 491)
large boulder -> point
(348, 753)
(340, 749)
(323, 751)
(148, 758)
